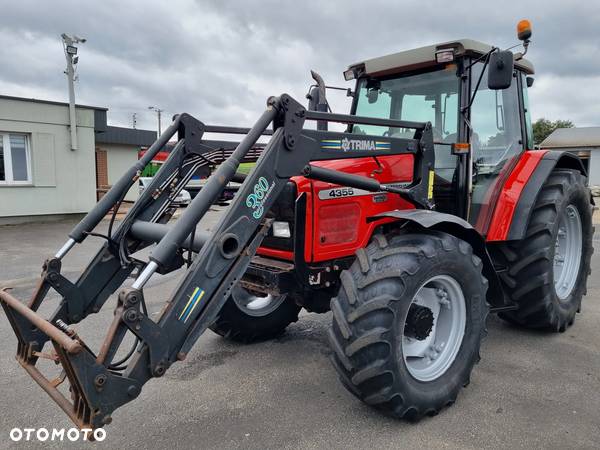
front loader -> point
(410, 227)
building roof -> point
(50, 102)
(423, 57)
(99, 111)
(126, 136)
(573, 137)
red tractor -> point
(408, 288)
(430, 211)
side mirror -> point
(373, 87)
(529, 81)
(500, 70)
(372, 95)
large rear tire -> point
(546, 272)
(408, 322)
(247, 317)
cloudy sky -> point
(219, 60)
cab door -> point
(497, 141)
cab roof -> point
(423, 57)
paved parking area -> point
(531, 389)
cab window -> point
(425, 97)
(496, 126)
(528, 124)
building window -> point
(15, 159)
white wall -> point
(119, 158)
(63, 181)
(594, 169)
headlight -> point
(281, 229)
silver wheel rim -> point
(567, 252)
(256, 305)
(430, 358)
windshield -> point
(426, 97)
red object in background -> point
(160, 156)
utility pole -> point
(72, 60)
(134, 120)
(158, 112)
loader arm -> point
(97, 385)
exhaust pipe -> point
(317, 99)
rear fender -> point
(515, 226)
(447, 223)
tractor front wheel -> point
(408, 322)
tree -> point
(542, 128)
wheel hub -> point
(434, 328)
(419, 322)
(256, 305)
(567, 252)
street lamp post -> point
(158, 112)
(72, 60)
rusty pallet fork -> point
(98, 385)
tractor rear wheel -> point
(247, 317)
(547, 271)
(408, 322)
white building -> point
(40, 176)
(583, 141)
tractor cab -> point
(476, 101)
(473, 95)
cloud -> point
(221, 60)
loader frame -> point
(98, 383)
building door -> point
(102, 185)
